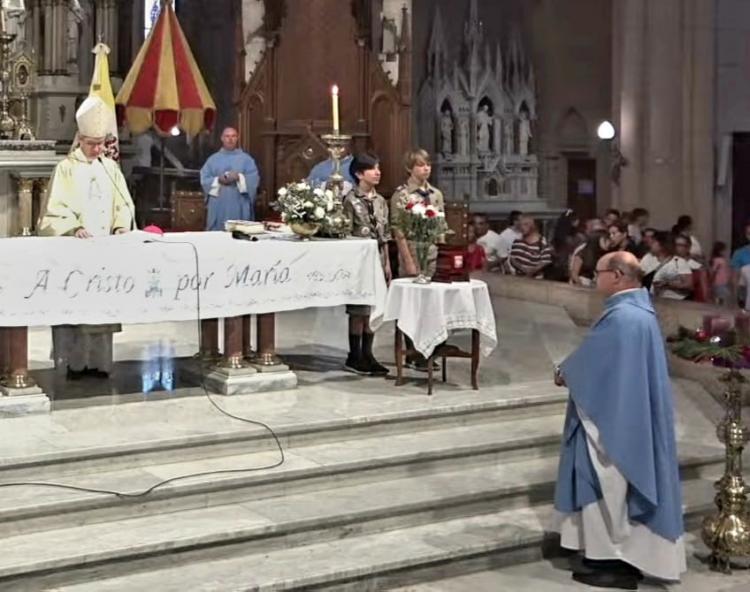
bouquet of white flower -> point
(299, 203)
(423, 225)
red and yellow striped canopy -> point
(164, 87)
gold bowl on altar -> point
(305, 230)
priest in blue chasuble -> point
(230, 181)
(618, 491)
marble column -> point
(663, 108)
(61, 27)
(234, 355)
(49, 28)
(110, 9)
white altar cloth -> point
(428, 312)
(136, 278)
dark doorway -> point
(740, 187)
(582, 187)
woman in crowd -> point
(565, 239)
(583, 263)
(667, 273)
(720, 274)
(619, 239)
(685, 226)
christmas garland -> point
(725, 350)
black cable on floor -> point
(160, 484)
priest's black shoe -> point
(357, 365)
(74, 374)
(607, 579)
(613, 565)
(96, 373)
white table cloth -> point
(136, 278)
(428, 312)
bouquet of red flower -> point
(423, 225)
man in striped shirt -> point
(530, 254)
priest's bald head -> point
(616, 272)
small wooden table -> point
(427, 313)
(443, 352)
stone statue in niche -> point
(80, 39)
(508, 136)
(446, 132)
(524, 134)
(484, 121)
(463, 136)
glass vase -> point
(422, 259)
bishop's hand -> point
(82, 233)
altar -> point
(206, 276)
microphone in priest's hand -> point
(161, 484)
(125, 199)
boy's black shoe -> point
(376, 368)
(357, 365)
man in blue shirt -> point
(741, 258)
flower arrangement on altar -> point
(303, 207)
(423, 225)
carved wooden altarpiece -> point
(286, 105)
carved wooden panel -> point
(286, 105)
(188, 211)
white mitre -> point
(93, 118)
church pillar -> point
(112, 33)
(48, 35)
(663, 109)
(60, 40)
(628, 53)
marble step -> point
(306, 469)
(354, 560)
(178, 431)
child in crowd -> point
(367, 212)
(720, 274)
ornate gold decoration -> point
(18, 380)
(338, 145)
(267, 359)
(233, 363)
(25, 202)
(727, 533)
(304, 229)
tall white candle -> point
(335, 103)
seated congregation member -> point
(488, 240)
(740, 261)
(508, 236)
(666, 274)
(230, 181)
(685, 226)
(618, 492)
(612, 216)
(530, 254)
(720, 275)
(583, 262)
(619, 239)
(644, 247)
(417, 189)
(88, 198)
(565, 240)
(476, 259)
(638, 221)
(682, 247)
(367, 212)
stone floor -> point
(554, 576)
(150, 406)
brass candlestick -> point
(338, 145)
(727, 533)
(23, 130)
